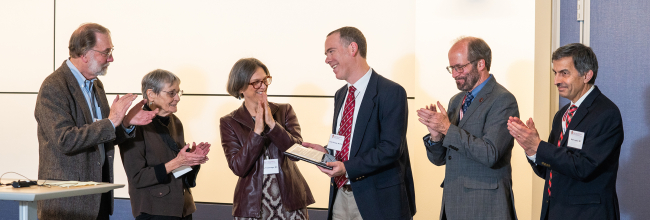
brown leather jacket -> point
(244, 150)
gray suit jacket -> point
(476, 152)
(68, 141)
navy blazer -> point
(584, 180)
(379, 167)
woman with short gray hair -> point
(255, 136)
(157, 151)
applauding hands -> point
(195, 156)
(437, 122)
(263, 115)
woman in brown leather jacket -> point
(254, 138)
(157, 150)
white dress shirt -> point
(361, 86)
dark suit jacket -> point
(152, 190)
(584, 180)
(244, 151)
(476, 153)
(68, 140)
(379, 167)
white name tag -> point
(336, 142)
(271, 166)
(575, 139)
(178, 172)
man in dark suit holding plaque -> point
(372, 178)
(77, 130)
(579, 163)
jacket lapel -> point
(580, 113)
(338, 104)
(478, 100)
(77, 94)
(365, 110)
(244, 117)
(100, 95)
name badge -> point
(271, 166)
(336, 142)
(575, 139)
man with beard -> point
(77, 130)
(472, 139)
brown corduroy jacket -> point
(244, 150)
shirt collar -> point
(77, 75)
(480, 86)
(362, 83)
(582, 98)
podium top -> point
(35, 193)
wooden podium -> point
(27, 196)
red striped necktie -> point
(566, 120)
(345, 129)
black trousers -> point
(106, 204)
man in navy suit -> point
(372, 178)
(580, 160)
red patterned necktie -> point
(566, 120)
(345, 129)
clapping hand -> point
(436, 122)
(202, 149)
(138, 116)
(525, 134)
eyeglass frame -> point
(450, 69)
(259, 83)
(173, 93)
(105, 54)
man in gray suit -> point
(472, 139)
(77, 130)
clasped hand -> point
(263, 115)
(436, 122)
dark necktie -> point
(345, 129)
(566, 120)
(93, 113)
(466, 102)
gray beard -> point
(470, 81)
(96, 69)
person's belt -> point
(347, 188)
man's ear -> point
(480, 64)
(353, 48)
(588, 76)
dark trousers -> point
(106, 205)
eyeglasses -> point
(458, 68)
(257, 84)
(105, 54)
(173, 93)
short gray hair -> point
(241, 73)
(156, 80)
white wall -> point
(200, 41)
